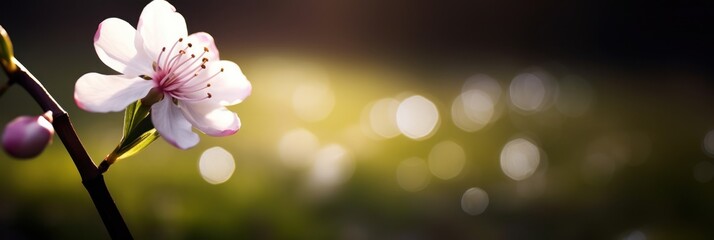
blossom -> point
(27, 136)
(161, 63)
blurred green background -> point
(547, 119)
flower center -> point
(178, 72)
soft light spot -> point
(417, 117)
(703, 171)
(635, 235)
(313, 101)
(574, 96)
(484, 83)
(383, 117)
(528, 92)
(474, 201)
(216, 165)
(708, 143)
(458, 115)
(413, 174)
(472, 110)
(332, 165)
(446, 160)
(297, 147)
(476, 106)
(519, 159)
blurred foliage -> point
(162, 195)
(651, 116)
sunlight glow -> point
(519, 159)
(216, 165)
(313, 101)
(417, 117)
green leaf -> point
(138, 144)
(133, 114)
(144, 125)
(141, 133)
(129, 117)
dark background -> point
(648, 34)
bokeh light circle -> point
(216, 165)
(383, 117)
(529, 92)
(484, 83)
(417, 117)
(520, 159)
(297, 147)
(472, 110)
(446, 160)
(474, 201)
(708, 143)
(332, 165)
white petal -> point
(201, 40)
(172, 125)
(160, 26)
(114, 43)
(228, 87)
(210, 118)
(95, 92)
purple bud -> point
(27, 136)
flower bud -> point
(27, 136)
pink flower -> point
(27, 136)
(159, 60)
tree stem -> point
(92, 178)
(107, 209)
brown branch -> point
(92, 178)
